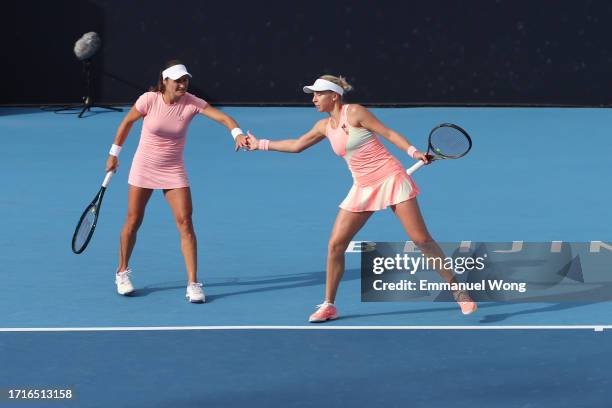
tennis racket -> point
(446, 141)
(87, 223)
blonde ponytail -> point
(338, 80)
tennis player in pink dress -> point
(379, 181)
(158, 164)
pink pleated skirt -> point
(392, 190)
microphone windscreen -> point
(87, 46)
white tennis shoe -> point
(195, 293)
(123, 282)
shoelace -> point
(124, 277)
(322, 305)
(196, 287)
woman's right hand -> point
(422, 156)
(253, 142)
(112, 163)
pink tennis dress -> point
(158, 162)
(379, 179)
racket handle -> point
(415, 167)
(107, 178)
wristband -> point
(411, 151)
(263, 144)
(115, 150)
(236, 131)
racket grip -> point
(415, 167)
(107, 178)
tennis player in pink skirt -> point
(158, 164)
(380, 181)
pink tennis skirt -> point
(392, 190)
(150, 172)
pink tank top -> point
(367, 158)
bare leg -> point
(137, 201)
(410, 216)
(346, 226)
(179, 200)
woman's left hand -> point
(242, 142)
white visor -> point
(175, 72)
(323, 85)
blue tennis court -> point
(263, 220)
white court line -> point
(597, 328)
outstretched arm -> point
(112, 163)
(362, 117)
(310, 138)
(227, 121)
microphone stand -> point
(88, 102)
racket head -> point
(448, 141)
(87, 224)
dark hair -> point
(160, 81)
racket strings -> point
(449, 142)
(84, 228)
